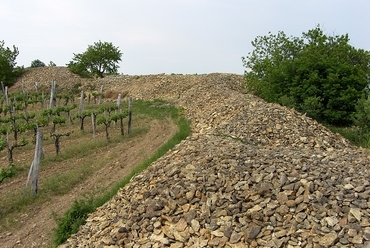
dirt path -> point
(35, 231)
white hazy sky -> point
(170, 36)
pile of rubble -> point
(251, 174)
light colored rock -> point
(328, 239)
(249, 167)
(356, 212)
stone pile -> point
(251, 174)
(43, 76)
(211, 191)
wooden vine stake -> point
(43, 100)
(35, 165)
(118, 110)
(119, 100)
(81, 108)
(101, 94)
(6, 96)
(52, 94)
(93, 124)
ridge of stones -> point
(251, 174)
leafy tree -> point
(361, 117)
(9, 72)
(51, 64)
(37, 63)
(99, 59)
(318, 74)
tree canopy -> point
(318, 74)
(37, 63)
(51, 64)
(8, 70)
(99, 59)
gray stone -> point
(252, 231)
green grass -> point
(63, 182)
(352, 134)
(77, 214)
(73, 219)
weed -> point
(352, 134)
(7, 172)
(72, 219)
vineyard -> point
(24, 114)
(91, 141)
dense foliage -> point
(318, 74)
(9, 72)
(37, 63)
(99, 59)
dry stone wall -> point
(251, 174)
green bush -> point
(361, 117)
(72, 219)
(317, 74)
(7, 172)
(9, 72)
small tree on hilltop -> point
(52, 64)
(37, 63)
(99, 59)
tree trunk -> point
(10, 154)
(93, 124)
(122, 129)
(101, 94)
(106, 130)
(81, 107)
(82, 123)
(57, 144)
(52, 92)
(129, 115)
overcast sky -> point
(170, 36)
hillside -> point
(251, 174)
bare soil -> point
(33, 227)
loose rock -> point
(250, 174)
